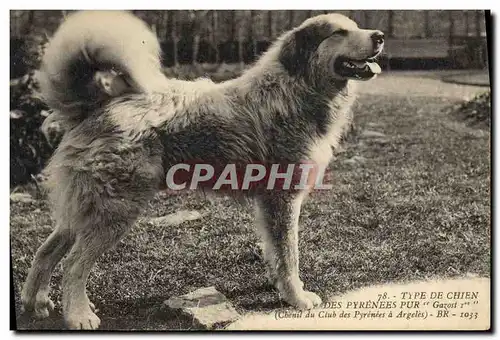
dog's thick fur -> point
(289, 107)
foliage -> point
(477, 111)
(28, 149)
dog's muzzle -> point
(361, 69)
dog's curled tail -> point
(89, 41)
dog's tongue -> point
(373, 66)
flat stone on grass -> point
(206, 307)
(176, 218)
(355, 160)
(372, 134)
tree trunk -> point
(240, 47)
(290, 19)
(196, 48)
(467, 23)
(175, 37)
(390, 24)
(196, 40)
(366, 19)
(427, 25)
(163, 26)
(233, 35)
(214, 36)
(270, 25)
(479, 14)
(232, 23)
(451, 28)
(251, 35)
(168, 24)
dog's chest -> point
(321, 149)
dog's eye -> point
(341, 33)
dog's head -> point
(331, 47)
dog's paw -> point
(304, 300)
(40, 308)
(27, 300)
(83, 319)
(43, 309)
(271, 277)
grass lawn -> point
(415, 204)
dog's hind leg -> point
(102, 216)
(89, 246)
(35, 293)
(278, 217)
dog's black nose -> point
(377, 38)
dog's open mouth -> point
(356, 69)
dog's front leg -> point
(277, 217)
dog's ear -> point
(300, 45)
